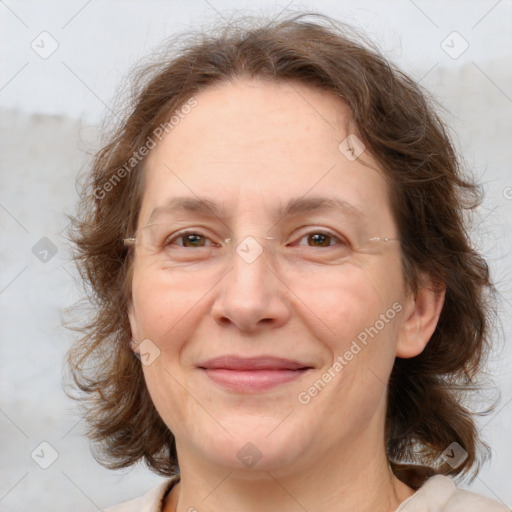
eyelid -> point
(181, 234)
(314, 230)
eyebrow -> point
(295, 206)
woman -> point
(288, 306)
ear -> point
(421, 315)
(133, 327)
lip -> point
(252, 374)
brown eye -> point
(193, 240)
(319, 240)
(189, 239)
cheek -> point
(362, 323)
(165, 312)
(342, 301)
(356, 316)
(162, 303)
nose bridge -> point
(251, 262)
(251, 292)
(251, 247)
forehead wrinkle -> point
(206, 207)
(302, 205)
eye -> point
(196, 239)
(322, 239)
(190, 239)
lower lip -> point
(248, 381)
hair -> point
(398, 123)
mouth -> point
(250, 375)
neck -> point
(351, 479)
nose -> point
(252, 296)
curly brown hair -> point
(399, 124)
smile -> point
(254, 374)
(248, 381)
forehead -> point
(235, 119)
(248, 141)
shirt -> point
(437, 494)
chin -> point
(252, 450)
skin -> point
(252, 145)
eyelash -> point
(184, 234)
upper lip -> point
(253, 363)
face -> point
(287, 342)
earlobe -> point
(134, 346)
(131, 318)
(422, 313)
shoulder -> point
(467, 501)
(439, 494)
(149, 502)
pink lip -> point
(253, 374)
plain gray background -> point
(51, 106)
